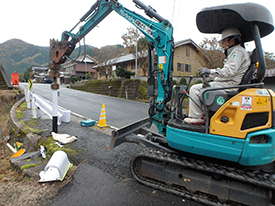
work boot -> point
(190, 120)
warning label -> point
(162, 59)
(261, 101)
(246, 103)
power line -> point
(173, 11)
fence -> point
(46, 107)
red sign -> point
(15, 79)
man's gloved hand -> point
(204, 71)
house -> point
(79, 67)
(186, 62)
(105, 70)
(40, 73)
(186, 59)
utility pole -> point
(136, 53)
(85, 69)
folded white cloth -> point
(63, 138)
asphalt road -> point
(119, 112)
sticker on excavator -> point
(261, 101)
(162, 59)
(265, 92)
(140, 25)
(259, 92)
(246, 103)
(220, 101)
(161, 66)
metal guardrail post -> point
(27, 94)
(34, 108)
(47, 108)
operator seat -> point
(249, 74)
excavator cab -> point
(254, 21)
(252, 30)
(239, 125)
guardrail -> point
(46, 107)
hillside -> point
(17, 55)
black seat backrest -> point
(248, 76)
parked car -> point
(48, 81)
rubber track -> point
(258, 178)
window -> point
(123, 66)
(180, 67)
(187, 51)
(133, 65)
(187, 68)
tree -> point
(28, 74)
(211, 55)
(130, 39)
(88, 75)
(269, 60)
(105, 58)
(183, 81)
(21, 77)
(123, 73)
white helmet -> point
(229, 32)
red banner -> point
(15, 79)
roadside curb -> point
(17, 125)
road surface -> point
(119, 112)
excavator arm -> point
(158, 34)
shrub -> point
(183, 81)
(74, 79)
(143, 90)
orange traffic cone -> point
(102, 119)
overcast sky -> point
(36, 22)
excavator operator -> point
(235, 65)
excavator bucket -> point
(127, 133)
(139, 133)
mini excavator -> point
(230, 159)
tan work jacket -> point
(235, 66)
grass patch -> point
(19, 114)
(33, 130)
(52, 148)
(27, 166)
(20, 110)
(23, 106)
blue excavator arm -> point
(159, 34)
